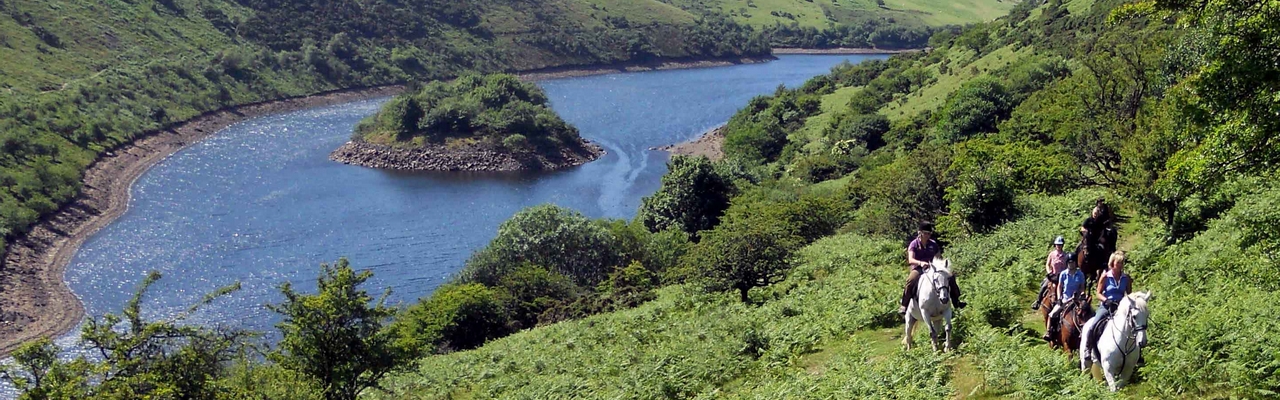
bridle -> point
(1132, 337)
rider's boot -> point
(1040, 297)
(955, 293)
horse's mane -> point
(1136, 301)
(942, 265)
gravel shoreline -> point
(709, 144)
(469, 158)
(35, 300)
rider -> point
(1098, 221)
(1053, 266)
(920, 254)
(1071, 283)
(1112, 287)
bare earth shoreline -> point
(708, 144)
(35, 301)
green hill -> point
(1005, 134)
(81, 77)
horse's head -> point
(940, 273)
(1137, 310)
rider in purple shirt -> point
(920, 253)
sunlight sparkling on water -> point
(260, 203)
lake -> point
(261, 204)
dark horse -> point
(1093, 256)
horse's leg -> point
(946, 319)
(1109, 370)
(933, 333)
(1126, 371)
(910, 326)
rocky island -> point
(474, 123)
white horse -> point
(932, 304)
(1121, 342)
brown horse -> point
(1046, 305)
(1071, 323)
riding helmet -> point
(1059, 240)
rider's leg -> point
(909, 292)
(1086, 334)
(1044, 284)
(1052, 324)
(955, 292)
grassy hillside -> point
(830, 329)
(1005, 134)
(820, 13)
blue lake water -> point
(260, 203)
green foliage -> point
(133, 357)
(497, 107)
(691, 197)
(741, 255)
(974, 108)
(758, 133)
(335, 336)
(563, 241)
(531, 290)
(893, 198)
(455, 317)
(1229, 100)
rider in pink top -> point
(1053, 266)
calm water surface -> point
(260, 203)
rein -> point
(1131, 338)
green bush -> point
(691, 197)
(457, 316)
(741, 256)
(974, 108)
(558, 239)
(529, 290)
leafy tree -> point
(457, 316)
(133, 358)
(974, 108)
(336, 336)
(37, 373)
(743, 255)
(691, 197)
(866, 129)
(1228, 102)
(561, 240)
(530, 290)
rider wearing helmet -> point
(920, 253)
(1053, 266)
(1113, 285)
(1071, 283)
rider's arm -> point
(1128, 286)
(911, 257)
(1101, 288)
(1048, 268)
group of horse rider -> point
(1064, 274)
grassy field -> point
(961, 68)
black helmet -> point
(1070, 257)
